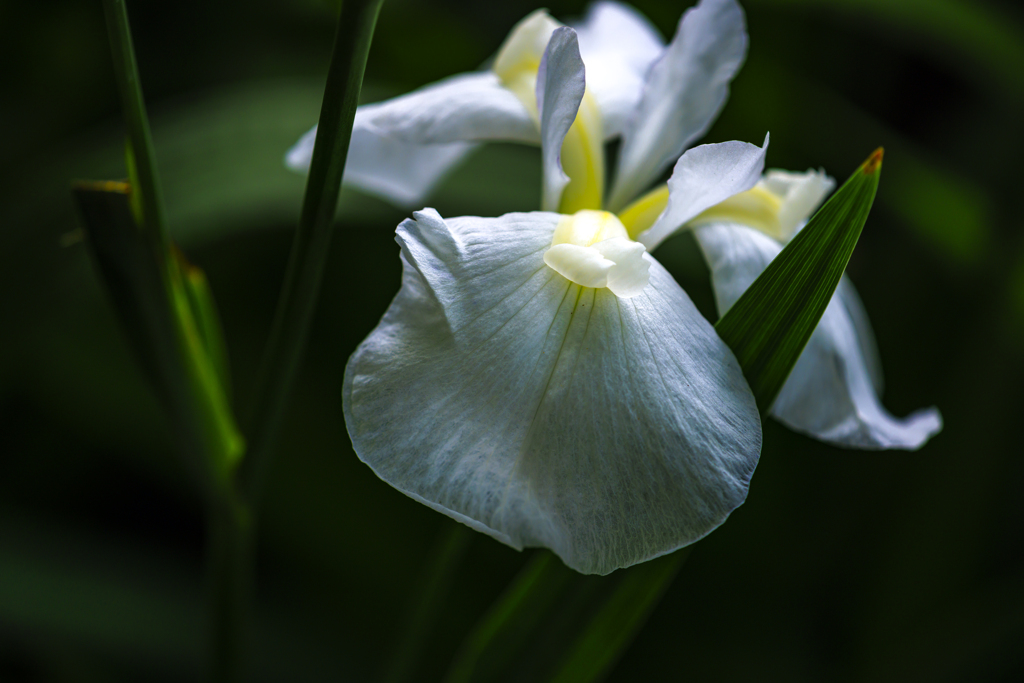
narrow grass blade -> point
(610, 632)
(141, 159)
(769, 326)
(429, 602)
(506, 627)
(312, 240)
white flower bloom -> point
(833, 391)
(658, 98)
(610, 426)
(539, 376)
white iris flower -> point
(539, 376)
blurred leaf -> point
(207, 320)
(493, 643)
(947, 210)
(138, 604)
(623, 614)
(154, 305)
(222, 169)
(948, 28)
(768, 327)
(942, 209)
(426, 608)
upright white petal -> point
(560, 86)
(619, 46)
(684, 92)
(829, 394)
(703, 177)
(543, 413)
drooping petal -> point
(829, 394)
(560, 86)
(703, 177)
(399, 171)
(685, 89)
(865, 333)
(545, 414)
(402, 147)
(619, 46)
(466, 107)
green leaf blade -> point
(155, 295)
(768, 327)
(611, 631)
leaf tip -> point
(874, 161)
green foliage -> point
(600, 645)
(99, 569)
(768, 327)
(167, 312)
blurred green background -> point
(841, 566)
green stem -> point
(126, 72)
(448, 551)
(229, 566)
(510, 620)
(312, 239)
(611, 631)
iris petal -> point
(684, 91)
(560, 87)
(402, 147)
(703, 177)
(619, 46)
(544, 413)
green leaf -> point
(310, 245)
(599, 646)
(504, 629)
(769, 326)
(168, 317)
(203, 313)
(140, 157)
(554, 624)
(427, 608)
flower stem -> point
(512, 617)
(126, 72)
(448, 551)
(229, 567)
(312, 239)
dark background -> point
(841, 566)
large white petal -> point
(829, 394)
(703, 177)
(684, 92)
(546, 414)
(560, 86)
(619, 46)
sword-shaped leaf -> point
(768, 327)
